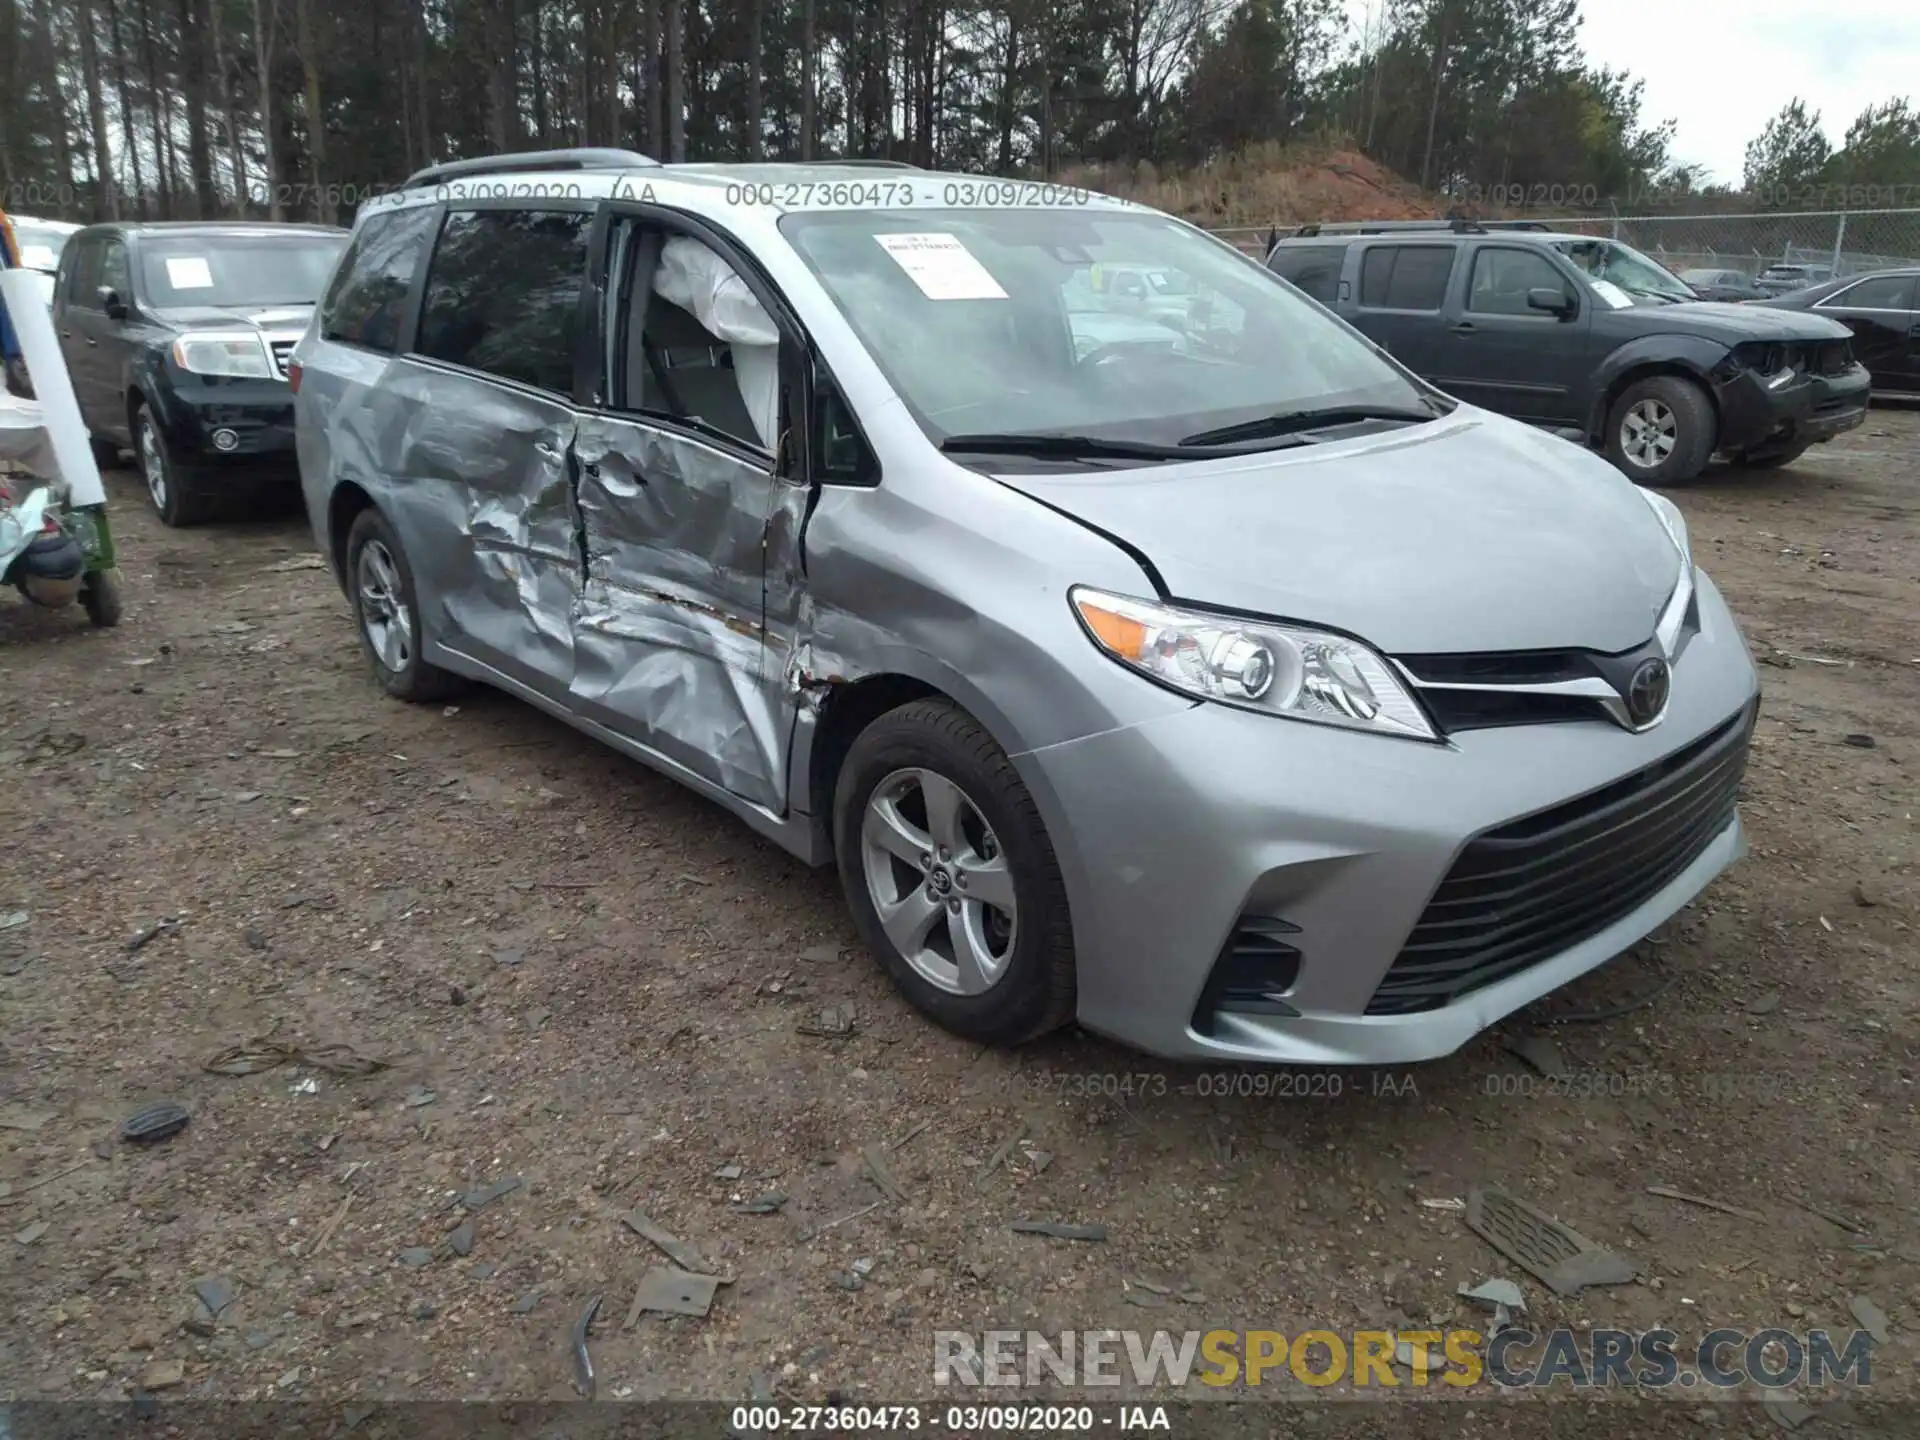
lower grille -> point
(1529, 890)
(1258, 964)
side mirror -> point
(1554, 302)
(111, 302)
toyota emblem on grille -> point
(1647, 692)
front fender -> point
(1697, 355)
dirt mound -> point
(1270, 185)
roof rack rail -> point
(1458, 225)
(591, 158)
(871, 164)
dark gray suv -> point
(1587, 335)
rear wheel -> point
(172, 501)
(387, 613)
(950, 875)
(1661, 430)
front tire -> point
(386, 612)
(102, 599)
(176, 506)
(1661, 431)
(950, 875)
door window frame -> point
(805, 381)
(1570, 289)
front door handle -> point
(91, 341)
(1464, 327)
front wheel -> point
(950, 875)
(172, 501)
(387, 613)
(1661, 430)
(101, 597)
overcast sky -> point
(1722, 68)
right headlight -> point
(1672, 628)
(241, 355)
(1284, 670)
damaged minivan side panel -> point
(480, 474)
(669, 644)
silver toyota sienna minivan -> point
(1143, 645)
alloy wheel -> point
(939, 881)
(1648, 433)
(153, 464)
(383, 613)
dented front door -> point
(669, 636)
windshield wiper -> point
(1292, 422)
(1065, 447)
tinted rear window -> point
(367, 301)
(503, 294)
(1313, 268)
(1405, 277)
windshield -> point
(1120, 326)
(237, 270)
(39, 244)
(1620, 269)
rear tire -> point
(1661, 431)
(976, 931)
(386, 612)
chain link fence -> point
(1847, 241)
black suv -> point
(1587, 336)
(176, 336)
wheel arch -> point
(1689, 359)
(344, 506)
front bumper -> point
(258, 414)
(1172, 831)
(1807, 410)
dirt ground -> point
(587, 979)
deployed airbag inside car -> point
(693, 277)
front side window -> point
(248, 271)
(1882, 292)
(114, 273)
(1502, 280)
(367, 300)
(1405, 277)
(697, 345)
(503, 294)
(996, 321)
(83, 279)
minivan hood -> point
(1473, 533)
(1735, 323)
(247, 317)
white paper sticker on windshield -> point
(189, 272)
(942, 267)
(1612, 294)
